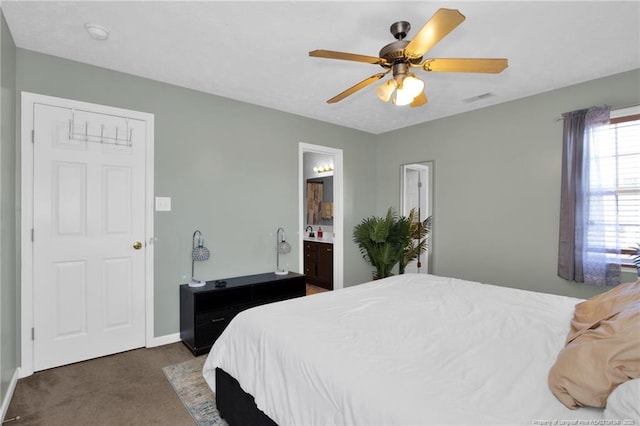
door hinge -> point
(32, 235)
(33, 136)
(33, 333)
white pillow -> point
(624, 402)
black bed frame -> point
(235, 405)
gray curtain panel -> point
(575, 177)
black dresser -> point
(206, 311)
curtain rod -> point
(612, 109)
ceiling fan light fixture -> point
(401, 55)
(411, 87)
(385, 90)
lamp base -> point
(281, 272)
(197, 283)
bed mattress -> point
(412, 349)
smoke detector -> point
(97, 32)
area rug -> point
(186, 379)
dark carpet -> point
(122, 389)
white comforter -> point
(406, 350)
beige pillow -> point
(590, 312)
(603, 349)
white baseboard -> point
(7, 398)
(164, 340)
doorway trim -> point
(338, 208)
(428, 168)
(28, 100)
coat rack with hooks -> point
(87, 137)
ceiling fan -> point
(400, 56)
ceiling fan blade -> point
(419, 100)
(441, 23)
(331, 54)
(482, 65)
(351, 90)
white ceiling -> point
(257, 52)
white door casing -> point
(338, 208)
(86, 201)
(416, 187)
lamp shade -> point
(385, 90)
(411, 87)
(283, 247)
(200, 253)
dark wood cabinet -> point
(206, 311)
(310, 259)
(318, 264)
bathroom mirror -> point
(416, 191)
(319, 201)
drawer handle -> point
(328, 249)
(217, 319)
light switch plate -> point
(163, 204)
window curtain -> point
(583, 240)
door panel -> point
(118, 289)
(116, 200)
(70, 283)
(88, 210)
(69, 198)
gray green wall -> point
(230, 168)
(8, 247)
(231, 171)
(497, 183)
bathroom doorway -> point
(325, 210)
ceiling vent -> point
(479, 97)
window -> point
(614, 185)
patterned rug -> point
(186, 379)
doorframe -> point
(28, 101)
(428, 168)
(338, 208)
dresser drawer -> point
(209, 326)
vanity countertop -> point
(325, 239)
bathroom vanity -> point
(318, 262)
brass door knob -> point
(137, 245)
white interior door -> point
(89, 235)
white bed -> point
(407, 350)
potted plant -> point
(375, 238)
(389, 240)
